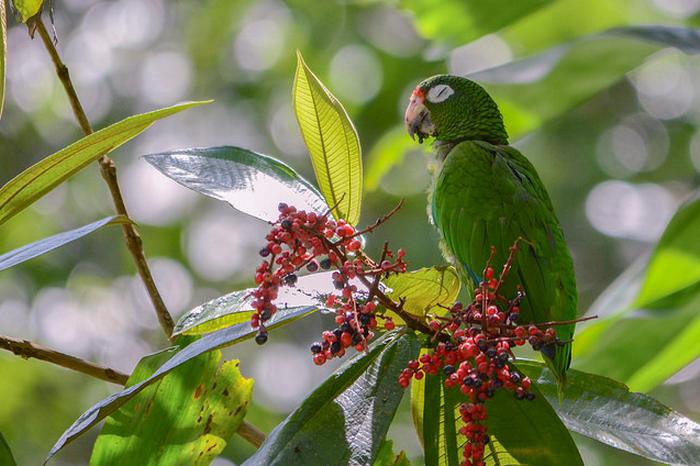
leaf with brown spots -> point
(186, 418)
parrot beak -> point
(417, 117)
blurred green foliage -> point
(617, 162)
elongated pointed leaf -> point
(425, 290)
(6, 458)
(578, 70)
(37, 248)
(461, 21)
(529, 432)
(212, 341)
(233, 308)
(184, 418)
(650, 337)
(345, 420)
(332, 141)
(253, 183)
(27, 8)
(605, 410)
(40, 178)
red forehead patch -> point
(418, 92)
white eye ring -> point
(439, 93)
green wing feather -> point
(488, 195)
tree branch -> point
(109, 173)
(27, 349)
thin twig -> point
(27, 349)
(109, 173)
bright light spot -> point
(30, 82)
(222, 243)
(678, 8)
(283, 127)
(639, 143)
(664, 86)
(173, 281)
(130, 23)
(356, 74)
(166, 77)
(259, 45)
(154, 199)
(60, 321)
(408, 177)
(14, 314)
(391, 30)
(486, 52)
(624, 210)
(292, 371)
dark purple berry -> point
(325, 264)
(261, 338)
(316, 348)
(264, 252)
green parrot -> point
(486, 193)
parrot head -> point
(452, 108)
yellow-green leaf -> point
(27, 8)
(332, 142)
(40, 178)
(424, 290)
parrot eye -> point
(439, 93)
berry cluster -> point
(300, 239)
(474, 346)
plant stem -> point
(27, 349)
(109, 173)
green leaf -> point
(27, 8)
(675, 263)
(253, 183)
(209, 342)
(649, 338)
(387, 457)
(6, 458)
(460, 21)
(3, 53)
(578, 70)
(345, 420)
(527, 432)
(605, 410)
(425, 290)
(40, 178)
(37, 248)
(332, 142)
(309, 292)
(185, 418)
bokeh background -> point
(616, 166)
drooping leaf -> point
(461, 21)
(605, 410)
(675, 262)
(37, 248)
(27, 8)
(184, 418)
(424, 290)
(40, 178)
(233, 308)
(345, 420)
(387, 457)
(332, 141)
(529, 432)
(6, 458)
(578, 70)
(212, 341)
(650, 337)
(253, 183)
(3, 53)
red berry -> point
(319, 359)
(389, 324)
